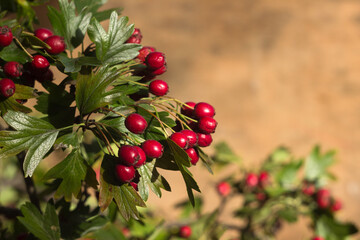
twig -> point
(10, 213)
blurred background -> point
(278, 73)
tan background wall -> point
(278, 72)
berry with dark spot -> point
(125, 173)
(56, 43)
(204, 140)
(207, 125)
(142, 158)
(191, 137)
(135, 37)
(13, 69)
(6, 36)
(144, 52)
(128, 155)
(7, 87)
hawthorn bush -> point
(108, 108)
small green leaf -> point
(225, 155)
(93, 6)
(316, 164)
(73, 65)
(330, 229)
(13, 53)
(44, 227)
(33, 134)
(109, 232)
(286, 176)
(72, 170)
(111, 47)
(91, 90)
(150, 177)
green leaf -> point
(111, 47)
(69, 25)
(288, 214)
(33, 41)
(150, 177)
(44, 227)
(286, 176)
(109, 232)
(91, 89)
(13, 53)
(33, 134)
(72, 170)
(73, 65)
(225, 155)
(316, 164)
(330, 229)
(125, 196)
(182, 160)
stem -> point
(22, 47)
(10, 212)
(108, 146)
(110, 110)
(29, 184)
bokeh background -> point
(278, 72)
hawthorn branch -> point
(29, 183)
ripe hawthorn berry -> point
(142, 158)
(308, 188)
(135, 123)
(128, 155)
(43, 33)
(261, 196)
(135, 37)
(191, 137)
(264, 178)
(223, 188)
(336, 205)
(152, 148)
(56, 43)
(323, 198)
(194, 156)
(13, 69)
(188, 109)
(125, 173)
(180, 139)
(7, 87)
(251, 180)
(207, 125)
(185, 231)
(6, 36)
(203, 109)
(144, 52)
(317, 238)
(204, 140)
(158, 88)
(40, 63)
(155, 60)
(157, 72)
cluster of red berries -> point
(256, 183)
(322, 196)
(37, 69)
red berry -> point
(180, 139)
(203, 109)
(56, 43)
(125, 173)
(191, 137)
(13, 69)
(317, 238)
(158, 71)
(135, 37)
(188, 110)
(261, 196)
(144, 52)
(194, 156)
(185, 231)
(323, 193)
(308, 188)
(6, 36)
(134, 185)
(45, 76)
(207, 125)
(158, 87)
(204, 140)
(7, 87)
(336, 206)
(40, 63)
(142, 158)
(135, 123)
(128, 155)
(223, 188)
(43, 33)
(152, 148)
(264, 178)
(155, 60)
(323, 198)
(252, 180)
